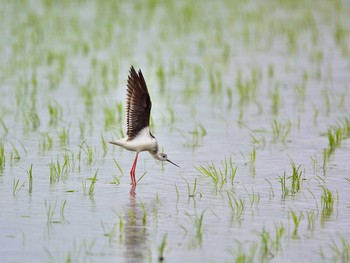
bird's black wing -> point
(138, 103)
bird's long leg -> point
(132, 171)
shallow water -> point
(207, 51)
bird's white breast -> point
(142, 142)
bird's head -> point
(163, 157)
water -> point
(225, 79)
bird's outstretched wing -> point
(138, 103)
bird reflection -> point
(135, 232)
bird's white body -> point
(142, 142)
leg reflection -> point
(135, 231)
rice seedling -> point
(271, 71)
(46, 142)
(197, 226)
(2, 156)
(295, 180)
(300, 90)
(121, 226)
(31, 119)
(88, 151)
(30, 175)
(275, 98)
(271, 191)
(327, 204)
(158, 199)
(279, 232)
(282, 180)
(82, 129)
(334, 140)
(237, 206)
(270, 244)
(55, 112)
(50, 212)
(327, 101)
(92, 185)
(258, 142)
(337, 134)
(311, 219)
(109, 232)
(266, 245)
(144, 217)
(341, 35)
(253, 198)
(16, 186)
(280, 130)
(221, 175)
(192, 193)
(116, 180)
(4, 127)
(109, 117)
(325, 158)
(161, 248)
(63, 135)
(62, 209)
(70, 158)
(296, 220)
(244, 253)
(161, 79)
(314, 160)
(197, 137)
(341, 252)
(118, 166)
(88, 93)
(57, 171)
(141, 177)
(14, 155)
(83, 184)
(177, 197)
(216, 85)
(104, 145)
(252, 157)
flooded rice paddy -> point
(251, 99)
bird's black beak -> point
(173, 163)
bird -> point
(138, 110)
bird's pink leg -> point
(132, 171)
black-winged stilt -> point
(138, 109)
